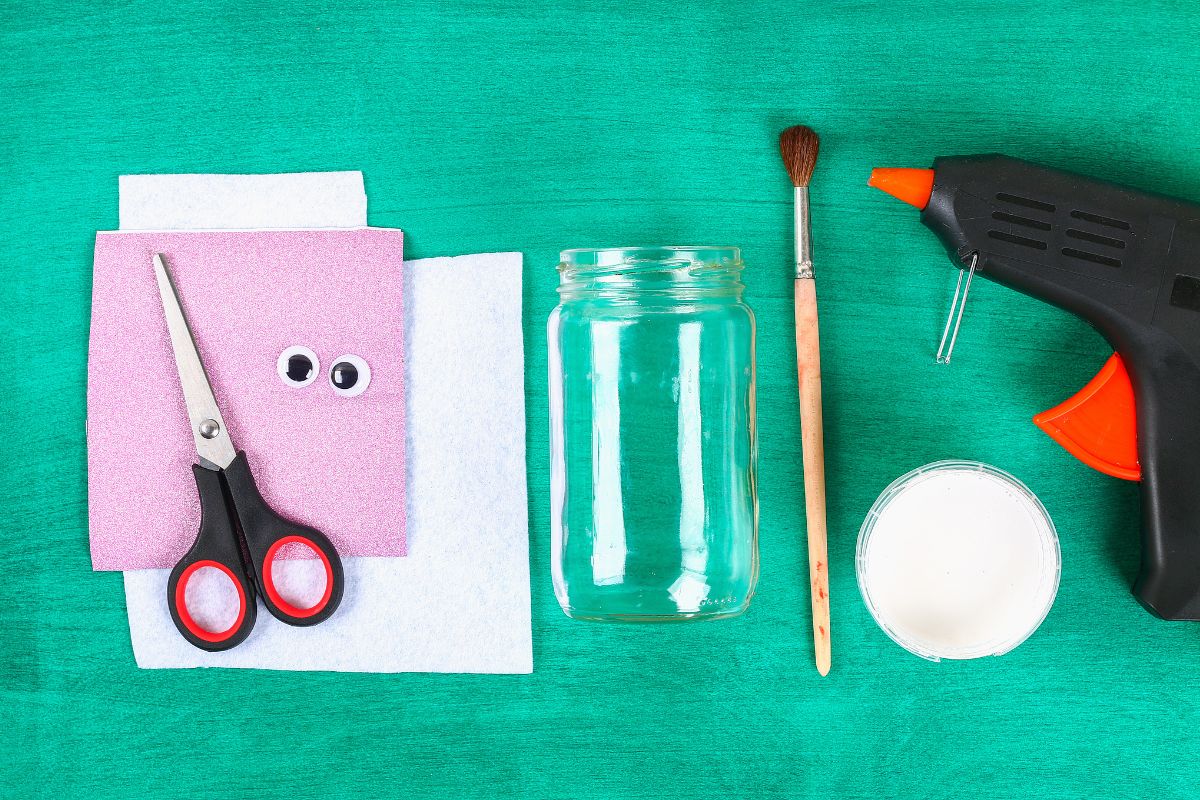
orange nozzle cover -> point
(913, 186)
(1099, 425)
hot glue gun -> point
(1127, 262)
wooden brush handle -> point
(808, 368)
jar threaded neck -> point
(680, 273)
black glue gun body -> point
(1127, 262)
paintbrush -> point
(798, 145)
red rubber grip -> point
(181, 603)
(269, 580)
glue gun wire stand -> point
(1128, 263)
(955, 319)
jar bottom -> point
(697, 616)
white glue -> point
(958, 560)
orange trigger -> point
(1099, 425)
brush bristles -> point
(798, 145)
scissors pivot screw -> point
(209, 429)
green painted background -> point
(569, 124)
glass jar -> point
(654, 505)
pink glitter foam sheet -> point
(336, 463)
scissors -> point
(240, 534)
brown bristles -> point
(798, 145)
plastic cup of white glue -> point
(958, 559)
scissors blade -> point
(213, 444)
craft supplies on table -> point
(459, 600)
(958, 559)
(653, 449)
(319, 338)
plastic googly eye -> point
(298, 366)
(349, 376)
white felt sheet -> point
(189, 202)
(459, 602)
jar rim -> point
(671, 256)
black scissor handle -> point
(216, 546)
(266, 533)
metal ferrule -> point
(804, 262)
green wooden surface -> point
(567, 124)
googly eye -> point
(298, 366)
(349, 376)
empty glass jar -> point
(655, 511)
